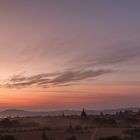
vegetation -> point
(133, 134)
(74, 127)
(7, 137)
(110, 138)
(72, 138)
(8, 123)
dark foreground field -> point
(120, 126)
(63, 135)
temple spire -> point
(83, 113)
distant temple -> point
(83, 113)
(139, 112)
(102, 114)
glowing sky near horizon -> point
(69, 54)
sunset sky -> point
(69, 54)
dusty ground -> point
(62, 135)
(56, 128)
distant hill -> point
(23, 113)
(16, 112)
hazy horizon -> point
(58, 54)
(135, 109)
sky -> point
(69, 54)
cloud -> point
(45, 80)
(71, 76)
(122, 54)
(111, 56)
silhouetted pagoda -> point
(83, 113)
(139, 112)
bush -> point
(133, 133)
(8, 123)
(70, 129)
(106, 122)
(7, 137)
(72, 138)
(78, 128)
(110, 138)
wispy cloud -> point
(45, 80)
(117, 54)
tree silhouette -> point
(110, 138)
(43, 136)
(7, 137)
(71, 138)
